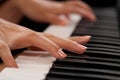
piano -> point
(101, 61)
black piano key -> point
(101, 61)
(90, 64)
(60, 76)
(103, 49)
(105, 42)
(103, 46)
(107, 11)
(77, 75)
(105, 38)
(97, 53)
(97, 33)
(102, 22)
(109, 18)
(110, 70)
(104, 27)
(102, 54)
(89, 58)
(85, 57)
(88, 71)
(81, 69)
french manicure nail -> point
(88, 37)
(61, 53)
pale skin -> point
(13, 36)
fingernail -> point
(81, 48)
(61, 53)
(84, 47)
(93, 17)
(87, 37)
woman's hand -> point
(49, 11)
(13, 36)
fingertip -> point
(88, 37)
(63, 22)
(89, 15)
(84, 48)
(84, 39)
(14, 65)
(93, 17)
(61, 53)
(81, 48)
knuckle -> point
(49, 35)
(2, 45)
(55, 49)
(31, 34)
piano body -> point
(101, 61)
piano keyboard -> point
(101, 61)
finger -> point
(32, 38)
(85, 13)
(80, 40)
(85, 6)
(6, 55)
(67, 44)
(81, 4)
(56, 19)
(44, 43)
(70, 8)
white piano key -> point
(64, 31)
(19, 74)
(34, 60)
(34, 67)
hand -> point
(49, 11)
(13, 36)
